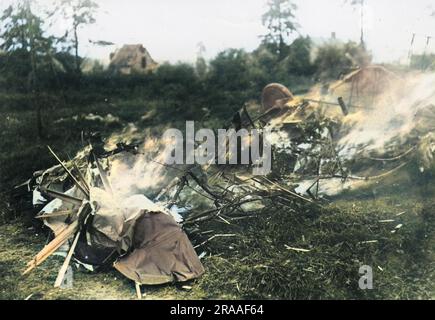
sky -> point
(172, 29)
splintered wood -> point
(50, 248)
(76, 182)
(65, 264)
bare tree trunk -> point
(76, 50)
(35, 98)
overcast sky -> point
(172, 29)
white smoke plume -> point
(394, 114)
(142, 173)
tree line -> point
(34, 62)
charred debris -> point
(144, 236)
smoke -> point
(385, 120)
(387, 112)
(394, 114)
(142, 173)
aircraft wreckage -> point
(101, 211)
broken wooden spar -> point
(103, 176)
(81, 177)
(62, 196)
(55, 214)
(76, 182)
(65, 264)
(50, 248)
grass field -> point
(256, 263)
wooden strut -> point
(56, 214)
(62, 196)
(65, 264)
(50, 248)
(138, 292)
(57, 242)
(103, 176)
(81, 177)
(76, 182)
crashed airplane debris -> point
(100, 201)
(140, 238)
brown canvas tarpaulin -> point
(161, 252)
(150, 245)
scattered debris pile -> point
(141, 238)
(95, 204)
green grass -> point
(19, 244)
(255, 263)
(259, 266)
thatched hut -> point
(131, 58)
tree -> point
(232, 79)
(230, 69)
(22, 29)
(23, 36)
(299, 57)
(334, 60)
(80, 13)
(279, 19)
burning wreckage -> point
(98, 205)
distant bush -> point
(334, 59)
(423, 61)
(218, 89)
(298, 61)
(232, 78)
